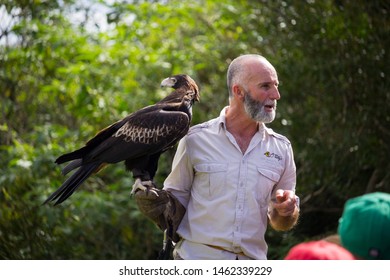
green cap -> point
(364, 227)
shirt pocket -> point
(209, 179)
(267, 180)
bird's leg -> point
(142, 185)
(138, 185)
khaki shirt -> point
(227, 193)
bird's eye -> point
(174, 80)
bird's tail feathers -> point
(78, 154)
(72, 165)
(73, 182)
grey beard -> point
(256, 110)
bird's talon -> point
(144, 186)
(153, 191)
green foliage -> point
(61, 82)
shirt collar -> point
(222, 118)
(262, 129)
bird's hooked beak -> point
(168, 82)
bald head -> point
(240, 69)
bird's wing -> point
(148, 131)
(99, 138)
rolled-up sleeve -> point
(180, 179)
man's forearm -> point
(283, 223)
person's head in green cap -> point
(364, 227)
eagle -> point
(138, 139)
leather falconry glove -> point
(162, 208)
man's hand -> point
(284, 212)
(286, 202)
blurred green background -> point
(70, 68)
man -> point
(232, 174)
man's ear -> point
(238, 92)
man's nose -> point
(275, 94)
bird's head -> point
(185, 82)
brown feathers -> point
(138, 139)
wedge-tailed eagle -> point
(139, 139)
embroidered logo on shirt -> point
(273, 155)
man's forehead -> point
(263, 74)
